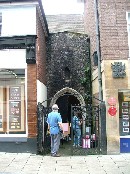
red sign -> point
(112, 111)
(112, 101)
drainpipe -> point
(98, 50)
(102, 114)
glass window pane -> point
(12, 101)
(124, 112)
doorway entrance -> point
(64, 103)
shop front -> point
(13, 87)
(124, 120)
(12, 104)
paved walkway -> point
(28, 163)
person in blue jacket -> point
(77, 129)
(54, 121)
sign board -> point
(112, 111)
(112, 101)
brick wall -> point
(41, 52)
(34, 73)
(90, 27)
(112, 26)
(113, 29)
(32, 99)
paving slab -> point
(18, 163)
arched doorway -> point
(64, 102)
(70, 91)
(65, 98)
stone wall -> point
(67, 55)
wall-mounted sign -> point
(112, 101)
(112, 111)
(118, 70)
(125, 112)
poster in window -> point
(125, 117)
(15, 93)
(126, 130)
(15, 115)
(125, 110)
(125, 123)
(124, 104)
(127, 97)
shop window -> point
(124, 112)
(12, 101)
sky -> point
(54, 7)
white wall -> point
(13, 58)
(41, 93)
(18, 20)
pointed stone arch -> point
(68, 90)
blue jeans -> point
(77, 137)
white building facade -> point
(18, 21)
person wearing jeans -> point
(77, 130)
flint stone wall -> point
(67, 55)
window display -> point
(12, 104)
(15, 115)
(124, 113)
